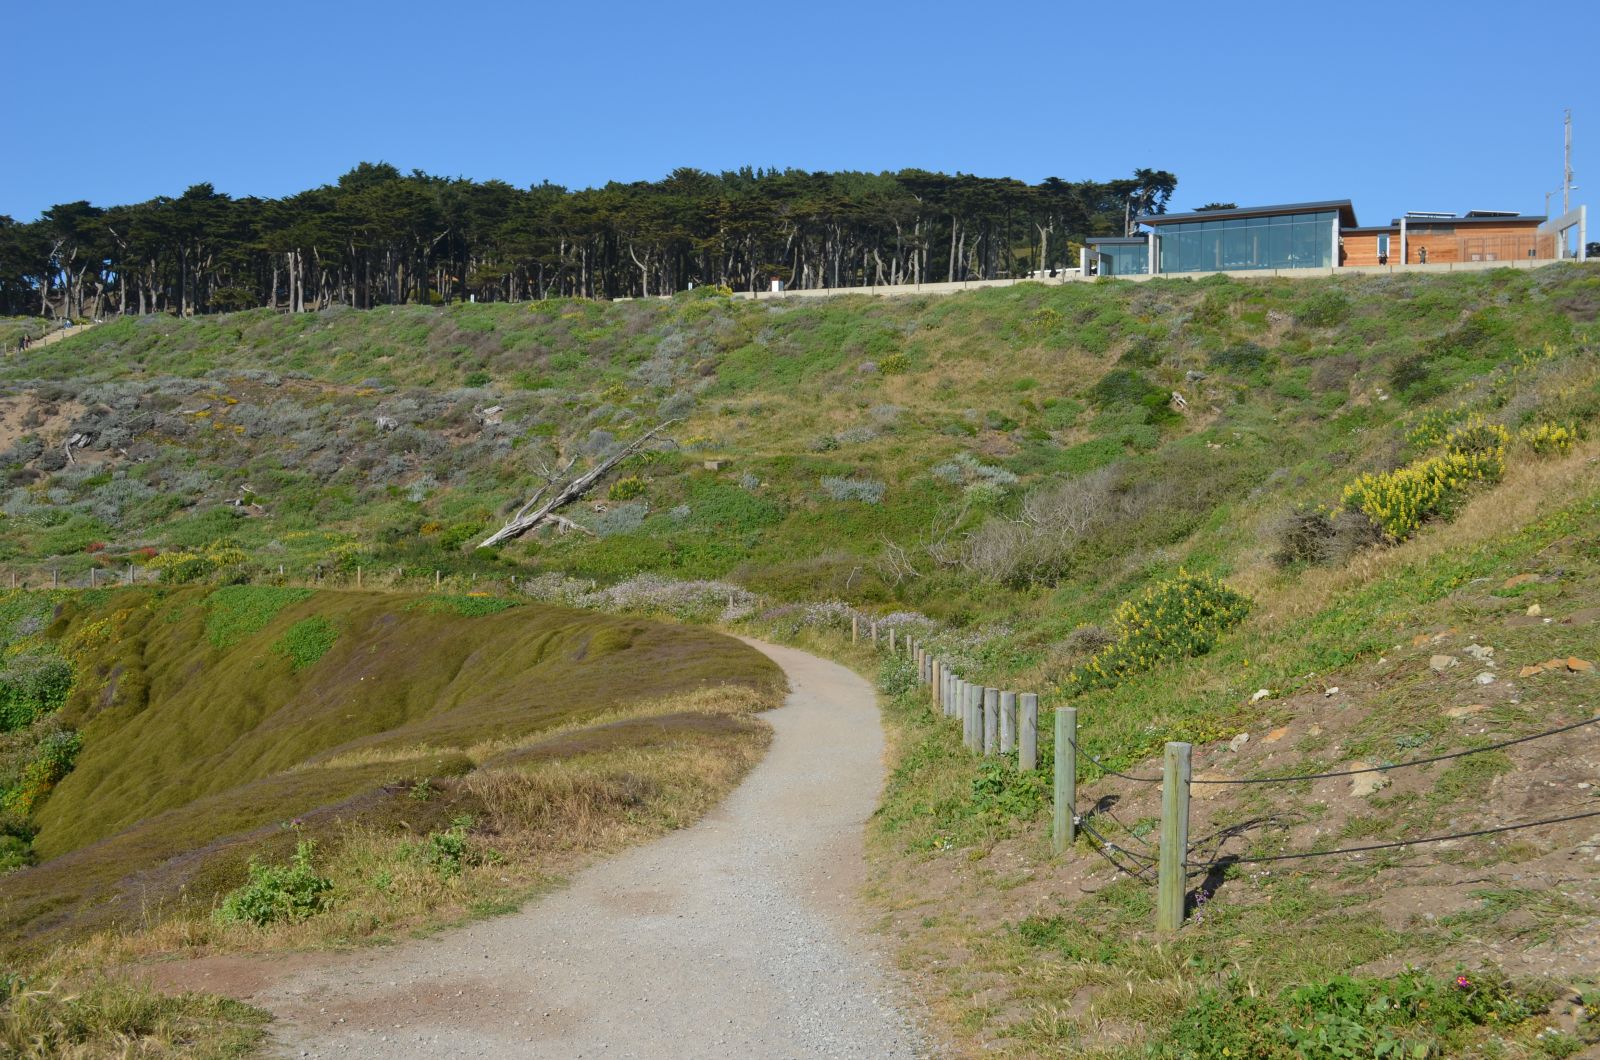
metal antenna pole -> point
(1566, 168)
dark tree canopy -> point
(381, 237)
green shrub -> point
(32, 685)
(897, 675)
(307, 641)
(895, 364)
(446, 852)
(1325, 309)
(478, 379)
(278, 892)
(626, 489)
(1410, 1015)
(234, 612)
(1174, 619)
(52, 760)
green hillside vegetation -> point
(1150, 501)
(200, 720)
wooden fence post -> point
(1028, 751)
(358, 577)
(975, 708)
(991, 721)
(873, 627)
(1065, 830)
(55, 578)
(1008, 722)
(1170, 887)
(436, 578)
(855, 628)
(91, 577)
(891, 638)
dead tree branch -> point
(528, 516)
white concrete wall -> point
(912, 289)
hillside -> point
(1340, 483)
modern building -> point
(1326, 235)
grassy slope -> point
(1291, 390)
(528, 737)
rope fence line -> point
(976, 706)
(1403, 765)
(1229, 859)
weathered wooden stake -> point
(358, 577)
(855, 628)
(975, 708)
(1170, 888)
(891, 638)
(991, 720)
(1028, 751)
(1008, 722)
(873, 628)
(91, 577)
(1064, 830)
(437, 576)
(130, 574)
(55, 578)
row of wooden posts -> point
(997, 722)
(127, 576)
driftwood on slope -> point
(529, 516)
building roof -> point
(1497, 219)
(1097, 240)
(1346, 210)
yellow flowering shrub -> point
(1399, 501)
(1549, 439)
(1173, 619)
(188, 565)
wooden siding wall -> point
(1466, 243)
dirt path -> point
(738, 937)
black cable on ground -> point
(1401, 765)
(1400, 842)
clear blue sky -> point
(1398, 105)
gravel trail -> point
(738, 937)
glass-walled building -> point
(1121, 255)
(1299, 236)
(1325, 235)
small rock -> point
(1535, 609)
(1275, 735)
(1364, 784)
(1441, 663)
(1315, 730)
(1466, 711)
(1193, 376)
(1331, 691)
(1261, 693)
(1529, 671)
(1484, 677)
(1480, 652)
(1577, 665)
(1238, 741)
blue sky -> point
(1398, 105)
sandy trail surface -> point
(741, 936)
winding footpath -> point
(738, 937)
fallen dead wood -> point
(528, 516)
